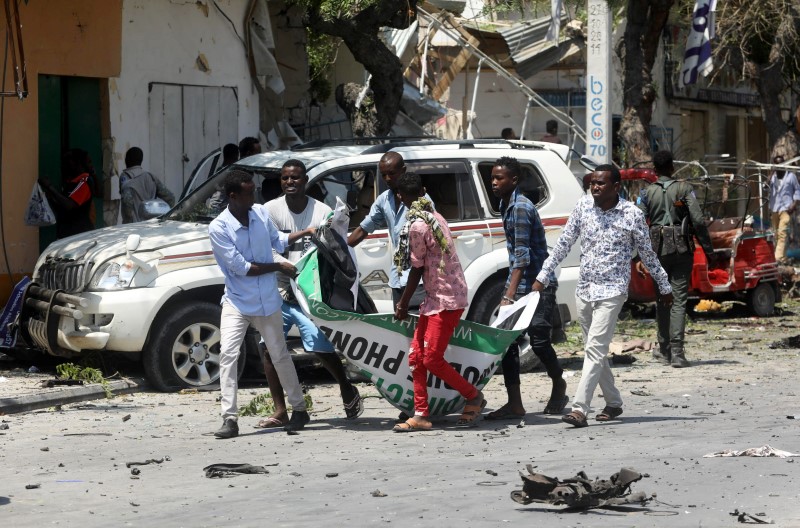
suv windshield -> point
(207, 201)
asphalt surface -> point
(737, 395)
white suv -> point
(157, 293)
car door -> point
(451, 187)
(207, 167)
(355, 184)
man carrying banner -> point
(295, 211)
(426, 247)
(527, 250)
(610, 229)
(242, 239)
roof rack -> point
(460, 143)
(377, 140)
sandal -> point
(608, 414)
(575, 419)
(271, 422)
(355, 408)
(411, 425)
(470, 414)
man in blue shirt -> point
(388, 212)
(242, 239)
(527, 250)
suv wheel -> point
(184, 347)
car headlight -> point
(114, 276)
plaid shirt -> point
(525, 240)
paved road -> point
(737, 396)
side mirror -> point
(588, 163)
(132, 244)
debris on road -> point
(744, 517)
(789, 342)
(126, 417)
(763, 451)
(59, 382)
(135, 471)
(146, 462)
(33, 486)
(579, 492)
(633, 345)
(331, 475)
(638, 392)
(232, 470)
(378, 493)
(622, 359)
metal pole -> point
(424, 62)
(474, 97)
(525, 119)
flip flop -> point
(470, 415)
(503, 414)
(269, 423)
(409, 426)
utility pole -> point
(598, 82)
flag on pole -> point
(555, 21)
(697, 59)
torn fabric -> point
(763, 451)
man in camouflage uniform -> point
(674, 214)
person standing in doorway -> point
(72, 204)
(671, 207)
(230, 155)
(527, 251)
(784, 195)
(138, 186)
(610, 229)
(508, 133)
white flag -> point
(697, 59)
(555, 21)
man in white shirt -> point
(291, 212)
(610, 229)
(242, 239)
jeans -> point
(233, 326)
(431, 337)
(539, 332)
(598, 320)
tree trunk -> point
(645, 23)
(360, 35)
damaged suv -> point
(153, 288)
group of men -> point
(610, 228)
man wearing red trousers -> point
(426, 247)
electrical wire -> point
(2, 122)
(221, 12)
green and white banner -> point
(378, 343)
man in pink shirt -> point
(426, 247)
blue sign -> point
(8, 335)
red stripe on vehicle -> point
(188, 255)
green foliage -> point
(322, 51)
(71, 371)
(262, 405)
(331, 10)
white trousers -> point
(233, 327)
(598, 320)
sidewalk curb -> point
(95, 391)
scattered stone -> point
(490, 472)
(33, 486)
(331, 475)
(135, 471)
(378, 493)
(3, 427)
(126, 417)
(44, 449)
(640, 393)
